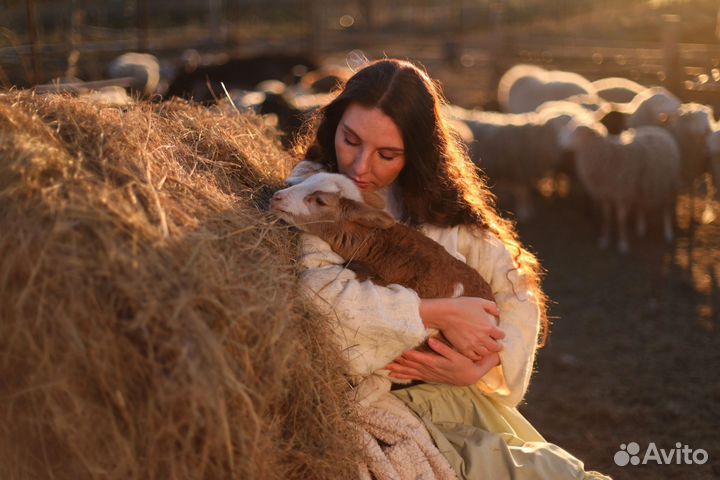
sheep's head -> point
(329, 197)
(576, 133)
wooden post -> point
(497, 42)
(367, 9)
(671, 55)
(76, 19)
(32, 29)
(217, 32)
(141, 17)
(313, 22)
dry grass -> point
(150, 325)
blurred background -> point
(634, 354)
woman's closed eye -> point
(387, 155)
(351, 141)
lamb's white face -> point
(301, 201)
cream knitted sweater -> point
(375, 324)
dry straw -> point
(150, 322)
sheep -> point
(518, 149)
(652, 106)
(713, 151)
(691, 125)
(638, 169)
(143, 67)
(525, 87)
(111, 95)
(331, 206)
(617, 89)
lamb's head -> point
(329, 197)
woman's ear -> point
(366, 215)
(373, 199)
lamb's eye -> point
(320, 201)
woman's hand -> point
(468, 323)
(445, 366)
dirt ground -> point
(634, 354)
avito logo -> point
(680, 455)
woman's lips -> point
(361, 185)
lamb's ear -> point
(366, 215)
(373, 199)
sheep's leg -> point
(668, 225)
(522, 202)
(708, 214)
(641, 224)
(604, 241)
(622, 214)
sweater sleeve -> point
(519, 315)
(373, 324)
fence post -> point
(497, 42)
(671, 54)
(217, 30)
(32, 29)
(313, 21)
(77, 16)
(141, 17)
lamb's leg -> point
(604, 240)
(622, 213)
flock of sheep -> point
(632, 148)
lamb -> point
(525, 87)
(617, 89)
(638, 169)
(331, 207)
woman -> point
(385, 132)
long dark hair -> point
(439, 184)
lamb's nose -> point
(277, 197)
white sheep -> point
(143, 67)
(652, 106)
(617, 89)
(639, 169)
(713, 150)
(517, 150)
(525, 87)
(691, 125)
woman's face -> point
(369, 147)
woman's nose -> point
(361, 165)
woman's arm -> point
(519, 315)
(373, 324)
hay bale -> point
(150, 325)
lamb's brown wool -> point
(392, 252)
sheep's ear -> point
(373, 199)
(366, 215)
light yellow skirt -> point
(483, 439)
